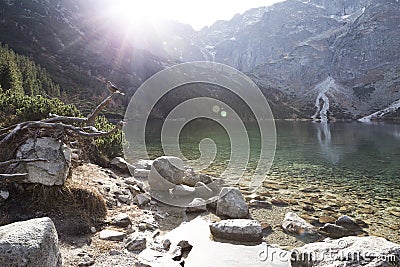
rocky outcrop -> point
(30, 243)
(231, 204)
(242, 230)
(352, 251)
(53, 161)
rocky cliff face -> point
(292, 50)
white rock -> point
(54, 170)
(349, 251)
(237, 230)
(232, 204)
(30, 243)
(112, 235)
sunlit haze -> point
(196, 13)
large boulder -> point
(232, 204)
(55, 167)
(349, 251)
(237, 230)
(166, 172)
(29, 243)
(294, 224)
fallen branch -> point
(12, 161)
(13, 176)
(65, 119)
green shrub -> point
(16, 107)
(110, 146)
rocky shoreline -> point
(135, 229)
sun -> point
(135, 12)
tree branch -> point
(64, 119)
(91, 118)
(13, 176)
(12, 161)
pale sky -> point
(198, 13)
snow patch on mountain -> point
(322, 104)
(379, 114)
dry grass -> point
(73, 198)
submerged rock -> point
(237, 230)
(232, 204)
(350, 251)
(348, 223)
(30, 243)
(294, 224)
(334, 231)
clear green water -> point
(364, 156)
(356, 163)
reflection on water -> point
(360, 163)
(325, 141)
(364, 156)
